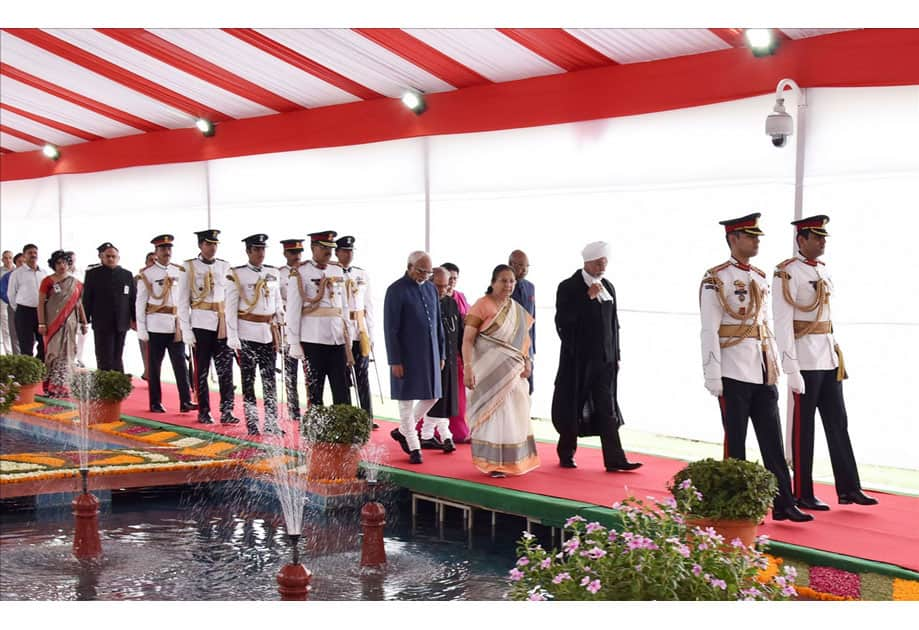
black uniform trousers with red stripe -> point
(207, 347)
(759, 403)
(252, 355)
(157, 347)
(822, 391)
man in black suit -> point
(584, 402)
(109, 293)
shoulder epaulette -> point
(137, 277)
(270, 266)
(190, 260)
(356, 267)
(220, 259)
(715, 270)
(240, 266)
(177, 266)
(758, 270)
(785, 263)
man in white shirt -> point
(739, 360)
(813, 362)
(6, 313)
(23, 297)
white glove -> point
(189, 337)
(796, 382)
(142, 335)
(233, 343)
(714, 386)
(296, 351)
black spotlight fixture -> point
(51, 152)
(414, 100)
(206, 127)
(762, 41)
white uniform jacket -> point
(157, 293)
(252, 293)
(813, 351)
(359, 299)
(744, 360)
(202, 294)
(316, 308)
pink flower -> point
(561, 577)
(585, 580)
(683, 550)
(685, 484)
(696, 570)
(737, 542)
(545, 563)
(536, 597)
(720, 584)
(790, 571)
(594, 586)
(522, 562)
(596, 553)
(698, 495)
(612, 535)
(592, 527)
(574, 519)
(516, 574)
(571, 545)
(789, 591)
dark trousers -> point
(822, 391)
(208, 347)
(362, 374)
(157, 346)
(27, 331)
(741, 401)
(261, 355)
(11, 323)
(290, 386)
(601, 406)
(323, 361)
(109, 346)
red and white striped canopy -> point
(83, 86)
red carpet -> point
(885, 533)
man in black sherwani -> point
(584, 402)
(109, 293)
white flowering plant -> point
(654, 555)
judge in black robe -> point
(585, 398)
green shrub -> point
(25, 370)
(731, 489)
(338, 424)
(106, 385)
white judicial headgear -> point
(595, 250)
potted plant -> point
(735, 495)
(103, 390)
(335, 434)
(27, 374)
(654, 554)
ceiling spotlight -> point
(762, 41)
(414, 100)
(205, 126)
(51, 151)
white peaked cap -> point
(595, 250)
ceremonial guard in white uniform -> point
(201, 315)
(254, 315)
(317, 321)
(813, 362)
(293, 248)
(157, 323)
(360, 318)
(739, 360)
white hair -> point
(416, 256)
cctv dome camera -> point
(779, 124)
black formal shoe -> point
(157, 408)
(186, 407)
(274, 429)
(567, 463)
(791, 513)
(812, 504)
(432, 444)
(448, 446)
(376, 426)
(624, 466)
(396, 434)
(206, 419)
(497, 474)
(228, 418)
(857, 497)
(414, 457)
(252, 430)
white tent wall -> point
(654, 186)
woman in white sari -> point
(496, 344)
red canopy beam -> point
(558, 46)
(872, 57)
(73, 131)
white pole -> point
(60, 213)
(426, 152)
(207, 189)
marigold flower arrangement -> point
(654, 555)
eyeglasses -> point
(427, 272)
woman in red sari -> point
(60, 314)
(458, 426)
